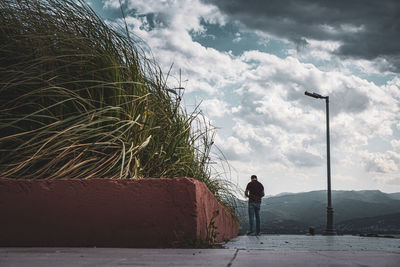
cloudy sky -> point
(249, 62)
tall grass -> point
(81, 100)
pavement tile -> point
(33, 257)
(258, 258)
(314, 243)
(264, 250)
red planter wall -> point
(109, 213)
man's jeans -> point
(254, 209)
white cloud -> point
(349, 28)
(238, 37)
(113, 3)
(380, 162)
(206, 68)
(174, 14)
(232, 147)
(395, 143)
(317, 50)
(215, 108)
(247, 131)
(275, 89)
(171, 43)
(271, 117)
(344, 178)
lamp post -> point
(329, 222)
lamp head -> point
(315, 95)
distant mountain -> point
(395, 195)
(284, 194)
(295, 213)
(384, 224)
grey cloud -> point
(301, 158)
(248, 111)
(230, 154)
(346, 99)
(350, 100)
(367, 29)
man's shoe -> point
(249, 233)
(257, 234)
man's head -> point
(254, 177)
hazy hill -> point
(384, 224)
(295, 213)
(395, 195)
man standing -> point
(254, 191)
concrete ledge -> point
(147, 212)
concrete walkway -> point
(265, 250)
(314, 243)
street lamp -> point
(329, 222)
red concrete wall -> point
(108, 212)
(227, 227)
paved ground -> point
(314, 243)
(266, 250)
